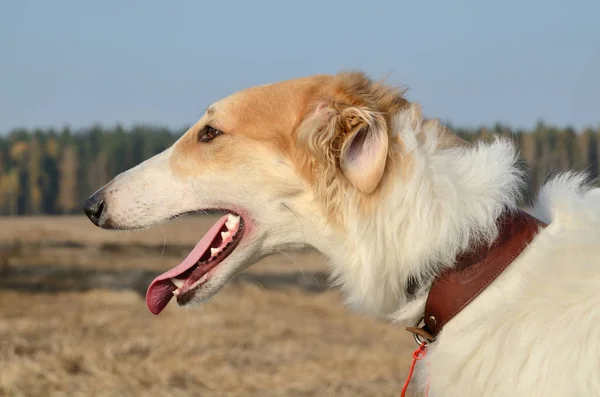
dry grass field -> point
(250, 340)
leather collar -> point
(454, 288)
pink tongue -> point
(161, 289)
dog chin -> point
(220, 276)
(206, 292)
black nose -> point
(94, 206)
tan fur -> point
(309, 122)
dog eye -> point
(208, 133)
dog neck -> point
(475, 269)
(449, 200)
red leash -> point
(418, 354)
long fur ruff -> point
(534, 332)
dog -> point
(348, 166)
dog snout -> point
(95, 206)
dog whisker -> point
(301, 269)
(298, 218)
(164, 241)
(253, 280)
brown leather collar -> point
(454, 288)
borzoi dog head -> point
(308, 162)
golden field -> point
(252, 339)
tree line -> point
(48, 171)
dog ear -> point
(364, 149)
(353, 140)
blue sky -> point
(162, 62)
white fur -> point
(534, 332)
(449, 200)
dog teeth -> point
(176, 292)
(233, 218)
(177, 282)
(225, 235)
(214, 252)
(232, 221)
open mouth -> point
(184, 280)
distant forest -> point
(53, 171)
